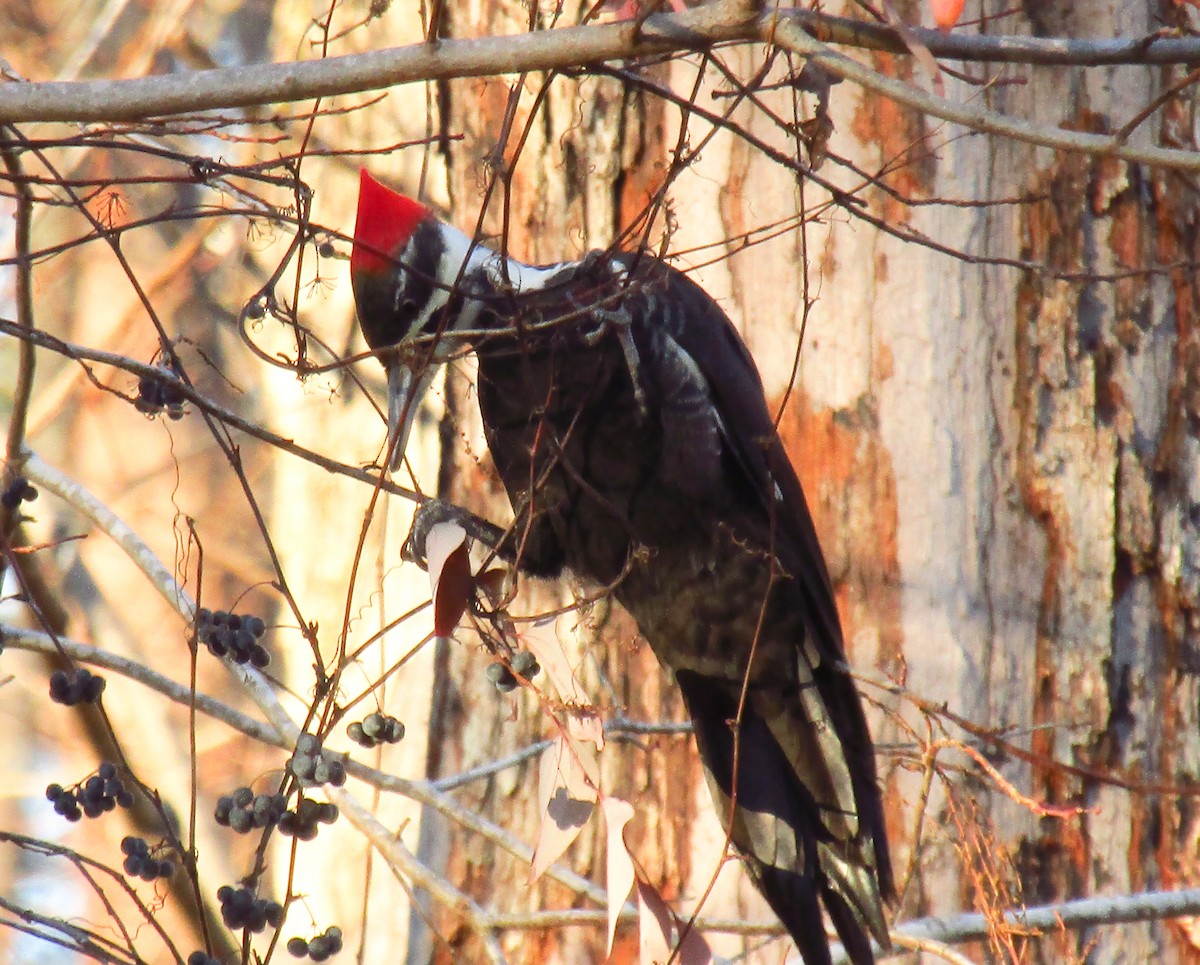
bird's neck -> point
(500, 272)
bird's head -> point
(407, 270)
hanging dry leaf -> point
(495, 583)
(541, 638)
(567, 781)
(587, 727)
(919, 51)
(620, 874)
(657, 933)
(450, 579)
(544, 641)
(654, 926)
(946, 13)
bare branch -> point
(789, 34)
(116, 100)
(1085, 912)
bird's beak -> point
(406, 388)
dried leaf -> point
(495, 583)
(654, 926)
(657, 931)
(567, 781)
(946, 13)
(450, 578)
(919, 51)
(544, 642)
(587, 727)
(620, 873)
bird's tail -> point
(778, 815)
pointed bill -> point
(406, 389)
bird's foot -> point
(620, 321)
(434, 511)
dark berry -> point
(501, 677)
(60, 687)
(525, 664)
(297, 947)
(374, 725)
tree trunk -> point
(1001, 460)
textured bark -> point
(1002, 463)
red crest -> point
(386, 220)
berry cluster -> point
(140, 863)
(243, 811)
(376, 729)
(312, 767)
(302, 822)
(202, 958)
(18, 491)
(78, 687)
(101, 792)
(241, 909)
(233, 636)
(320, 948)
(503, 677)
(155, 395)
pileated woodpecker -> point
(628, 424)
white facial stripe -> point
(456, 249)
(522, 278)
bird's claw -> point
(620, 321)
(428, 515)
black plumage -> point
(628, 424)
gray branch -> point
(204, 90)
(1081, 913)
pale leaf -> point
(620, 874)
(450, 579)
(657, 933)
(543, 641)
(587, 728)
(654, 926)
(567, 780)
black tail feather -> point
(850, 928)
(777, 825)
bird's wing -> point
(702, 330)
(835, 749)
